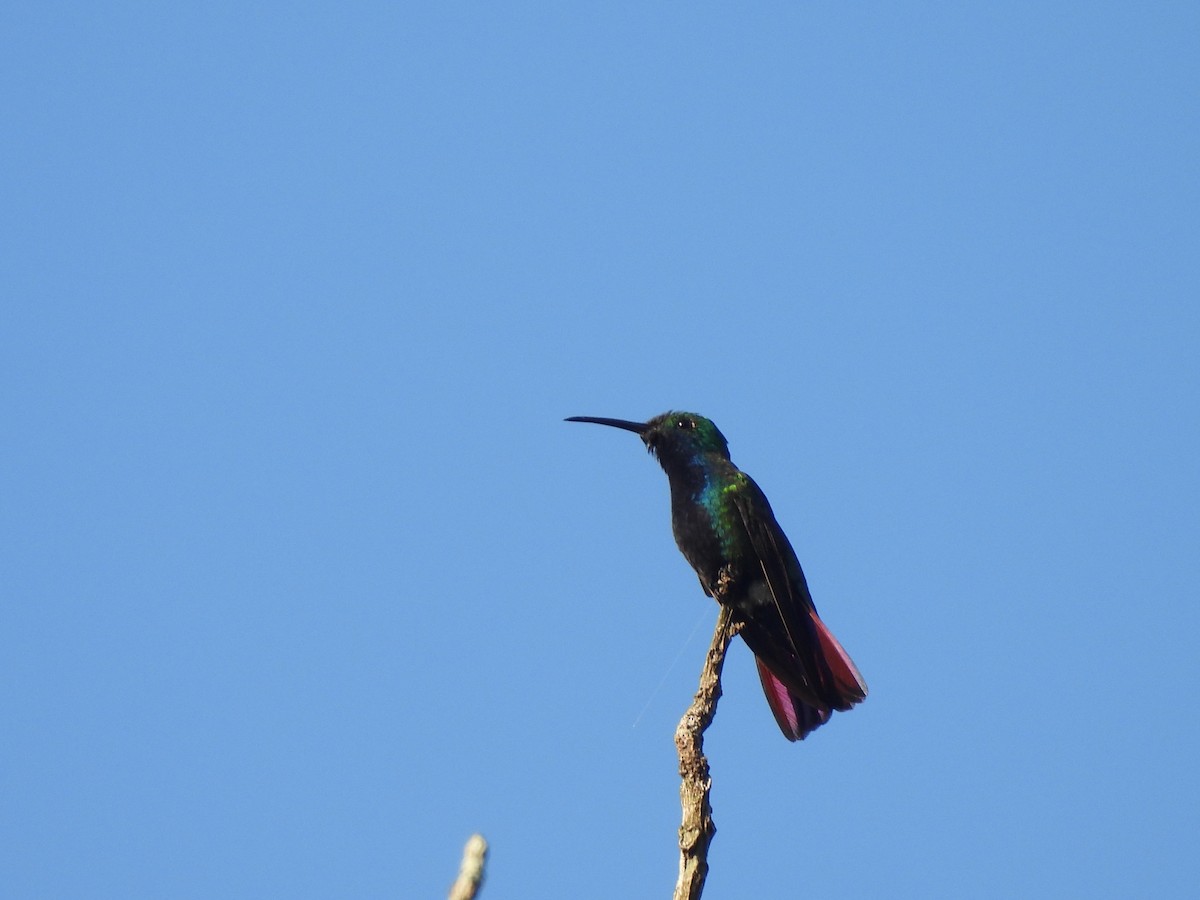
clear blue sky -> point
(304, 579)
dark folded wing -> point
(786, 633)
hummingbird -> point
(727, 532)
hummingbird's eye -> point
(686, 423)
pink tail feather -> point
(849, 680)
(795, 717)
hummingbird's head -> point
(683, 436)
(673, 436)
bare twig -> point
(697, 829)
(470, 873)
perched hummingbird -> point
(724, 524)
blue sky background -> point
(304, 579)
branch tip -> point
(470, 872)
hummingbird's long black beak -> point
(637, 427)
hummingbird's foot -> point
(724, 581)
